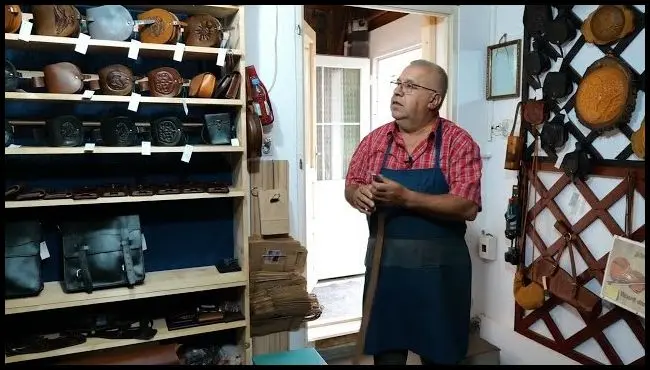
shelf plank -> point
(94, 344)
(120, 99)
(38, 150)
(113, 200)
(156, 284)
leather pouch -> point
(31, 194)
(534, 112)
(64, 78)
(557, 85)
(118, 131)
(110, 22)
(102, 254)
(577, 164)
(536, 62)
(12, 76)
(116, 79)
(202, 85)
(554, 135)
(514, 146)
(56, 20)
(13, 18)
(536, 17)
(203, 30)
(22, 259)
(560, 30)
(217, 129)
(167, 131)
(64, 131)
(162, 82)
(165, 29)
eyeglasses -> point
(409, 87)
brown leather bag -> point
(202, 85)
(514, 146)
(254, 137)
(165, 29)
(64, 78)
(13, 18)
(203, 30)
(528, 294)
(56, 20)
(116, 79)
(162, 82)
(535, 112)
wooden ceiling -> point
(330, 24)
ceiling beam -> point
(383, 19)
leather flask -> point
(202, 85)
(165, 28)
(13, 18)
(64, 131)
(163, 82)
(56, 20)
(167, 131)
(63, 78)
(116, 79)
(203, 30)
(109, 22)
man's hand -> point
(362, 200)
(388, 192)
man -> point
(423, 173)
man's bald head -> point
(437, 77)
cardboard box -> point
(276, 254)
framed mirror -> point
(503, 70)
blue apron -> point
(423, 296)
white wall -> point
(397, 35)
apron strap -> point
(387, 153)
(438, 144)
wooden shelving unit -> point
(160, 283)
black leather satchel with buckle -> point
(217, 129)
(118, 131)
(554, 135)
(167, 131)
(22, 259)
(64, 131)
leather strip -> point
(126, 253)
(84, 272)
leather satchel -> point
(56, 20)
(217, 129)
(110, 22)
(514, 146)
(64, 78)
(203, 30)
(22, 259)
(64, 131)
(12, 76)
(102, 254)
(13, 18)
(165, 29)
(162, 82)
(116, 79)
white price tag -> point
(134, 102)
(221, 59)
(179, 49)
(146, 148)
(560, 159)
(25, 32)
(13, 146)
(185, 108)
(82, 43)
(187, 153)
(234, 142)
(134, 49)
(89, 147)
(45, 253)
(87, 94)
(144, 242)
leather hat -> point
(607, 24)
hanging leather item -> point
(64, 78)
(118, 131)
(557, 85)
(536, 17)
(514, 146)
(606, 95)
(528, 294)
(534, 112)
(202, 85)
(167, 131)
(13, 18)
(12, 76)
(536, 62)
(56, 20)
(254, 136)
(638, 141)
(116, 79)
(165, 29)
(162, 82)
(64, 131)
(9, 133)
(560, 30)
(554, 135)
(203, 30)
(577, 164)
(607, 24)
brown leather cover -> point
(233, 88)
(60, 78)
(116, 79)
(56, 20)
(638, 141)
(606, 95)
(13, 18)
(202, 85)
(163, 82)
(534, 112)
(254, 139)
(145, 354)
(203, 30)
(607, 24)
(165, 29)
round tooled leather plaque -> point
(116, 79)
(164, 82)
(167, 131)
(64, 131)
(607, 24)
(203, 30)
(118, 131)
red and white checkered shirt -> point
(460, 158)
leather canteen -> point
(554, 135)
(607, 24)
(203, 30)
(118, 131)
(202, 85)
(606, 95)
(64, 131)
(64, 78)
(116, 79)
(534, 112)
(22, 259)
(109, 22)
(254, 137)
(165, 27)
(12, 76)
(56, 20)
(162, 82)
(13, 18)
(167, 131)
(638, 141)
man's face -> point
(413, 95)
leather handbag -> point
(557, 85)
(638, 141)
(165, 29)
(22, 259)
(116, 79)
(167, 131)
(64, 78)
(217, 129)
(254, 134)
(102, 254)
(110, 22)
(12, 76)
(607, 24)
(118, 131)
(13, 18)
(577, 164)
(203, 30)
(554, 135)
(514, 146)
(64, 131)
(534, 112)
(202, 85)
(162, 82)
(56, 20)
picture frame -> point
(503, 73)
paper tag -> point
(25, 32)
(144, 242)
(87, 94)
(45, 253)
(146, 148)
(82, 43)
(234, 142)
(134, 102)
(573, 201)
(187, 153)
(560, 159)
(611, 292)
(13, 146)
(89, 147)
(221, 59)
(184, 102)
(179, 49)
(134, 49)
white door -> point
(340, 233)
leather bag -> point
(536, 17)
(638, 141)
(534, 112)
(64, 78)
(217, 129)
(554, 135)
(577, 164)
(116, 79)
(12, 76)
(607, 24)
(162, 82)
(528, 294)
(56, 20)
(64, 131)
(110, 22)
(254, 134)
(165, 28)
(228, 87)
(9, 133)
(606, 95)
(202, 85)
(13, 18)
(514, 146)
(118, 131)
(22, 259)
(557, 85)
(102, 254)
(167, 131)
(203, 30)
(560, 30)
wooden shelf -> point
(67, 44)
(40, 150)
(120, 99)
(112, 200)
(94, 344)
(156, 284)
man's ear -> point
(434, 101)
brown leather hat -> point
(607, 24)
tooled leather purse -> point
(13, 18)
(22, 259)
(12, 76)
(165, 29)
(118, 130)
(116, 79)
(162, 82)
(167, 131)
(229, 86)
(64, 131)
(202, 85)
(64, 78)
(203, 30)
(56, 20)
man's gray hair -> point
(434, 68)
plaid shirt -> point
(460, 158)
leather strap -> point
(40, 344)
(144, 331)
(126, 251)
(84, 273)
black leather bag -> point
(102, 254)
(22, 259)
(557, 85)
(217, 129)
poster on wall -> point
(624, 281)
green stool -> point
(304, 356)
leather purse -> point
(56, 20)
(110, 22)
(217, 129)
(534, 112)
(560, 30)
(606, 80)
(165, 29)
(528, 294)
(554, 135)
(22, 259)
(116, 79)
(607, 24)
(577, 164)
(12, 76)
(557, 85)
(203, 30)
(536, 17)
(13, 18)
(118, 131)
(638, 141)
(254, 134)
(162, 82)
(514, 146)
(102, 254)
(64, 131)
(64, 78)
(202, 85)
(167, 131)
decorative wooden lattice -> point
(617, 166)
